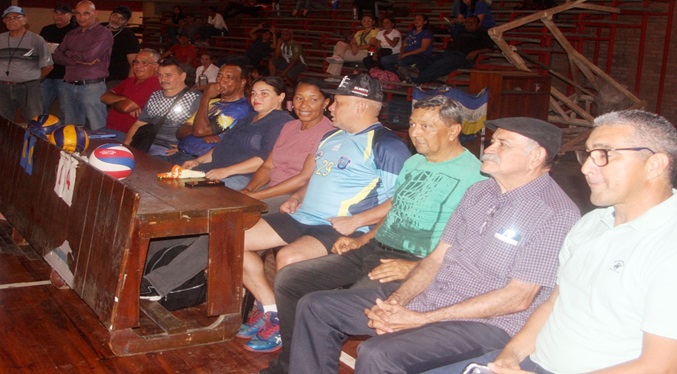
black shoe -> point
(148, 292)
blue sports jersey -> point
(353, 173)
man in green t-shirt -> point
(427, 191)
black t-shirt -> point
(468, 41)
(258, 51)
(53, 34)
(124, 43)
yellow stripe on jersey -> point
(346, 204)
(370, 142)
(328, 137)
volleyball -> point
(43, 125)
(70, 138)
(113, 159)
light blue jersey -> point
(353, 173)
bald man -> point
(85, 52)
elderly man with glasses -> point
(127, 99)
(613, 310)
(25, 61)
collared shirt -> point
(615, 284)
(85, 45)
(496, 237)
(54, 34)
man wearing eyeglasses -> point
(127, 99)
(24, 61)
(495, 263)
(614, 307)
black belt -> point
(87, 81)
(391, 249)
(15, 83)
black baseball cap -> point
(545, 134)
(63, 8)
(360, 85)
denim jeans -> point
(22, 96)
(50, 89)
(83, 103)
(446, 63)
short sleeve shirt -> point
(414, 41)
(28, 54)
(159, 104)
(496, 237)
(138, 93)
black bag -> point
(192, 292)
(144, 137)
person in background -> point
(173, 23)
(205, 73)
(462, 9)
(356, 51)
(25, 61)
(417, 48)
(261, 47)
(184, 52)
(387, 42)
(127, 99)
(217, 26)
(287, 61)
(85, 52)
(292, 160)
(125, 46)
(52, 85)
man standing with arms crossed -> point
(85, 52)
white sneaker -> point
(334, 60)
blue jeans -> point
(391, 62)
(458, 367)
(22, 96)
(443, 65)
(83, 103)
(50, 89)
(325, 318)
(237, 182)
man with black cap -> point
(53, 34)
(495, 263)
(125, 46)
(350, 190)
(24, 61)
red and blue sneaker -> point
(268, 339)
(253, 326)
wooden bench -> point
(109, 226)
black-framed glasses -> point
(600, 156)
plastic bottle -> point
(202, 80)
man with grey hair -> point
(127, 99)
(428, 189)
(495, 263)
(613, 309)
(24, 61)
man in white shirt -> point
(206, 72)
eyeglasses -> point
(600, 156)
(12, 18)
(144, 63)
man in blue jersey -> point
(350, 190)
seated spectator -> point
(260, 48)
(427, 191)
(127, 99)
(183, 52)
(223, 106)
(462, 9)
(206, 68)
(190, 27)
(249, 7)
(356, 51)
(243, 150)
(460, 53)
(417, 48)
(387, 42)
(292, 160)
(303, 6)
(495, 263)
(217, 26)
(162, 104)
(612, 310)
(349, 191)
(173, 23)
(287, 61)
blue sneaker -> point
(254, 324)
(268, 339)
